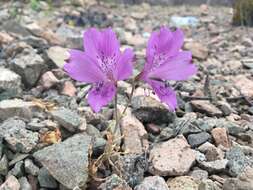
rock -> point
(152, 183)
(114, 182)
(211, 152)
(17, 171)
(131, 167)
(11, 183)
(5, 38)
(167, 133)
(197, 139)
(154, 129)
(29, 65)
(220, 137)
(182, 183)
(31, 168)
(237, 161)
(243, 182)
(134, 134)
(24, 184)
(67, 119)
(58, 55)
(244, 84)
(206, 107)
(46, 180)
(199, 174)
(69, 89)
(150, 110)
(4, 165)
(198, 50)
(216, 166)
(18, 138)
(48, 80)
(16, 107)
(172, 158)
(67, 161)
(208, 185)
(10, 84)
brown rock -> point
(220, 136)
(48, 80)
(206, 107)
(183, 183)
(5, 38)
(68, 89)
(172, 158)
(211, 152)
(152, 183)
(198, 50)
(10, 184)
(244, 84)
(134, 134)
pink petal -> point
(166, 94)
(82, 68)
(100, 95)
(178, 67)
(92, 40)
(110, 44)
(125, 64)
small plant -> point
(35, 5)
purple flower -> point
(166, 61)
(102, 64)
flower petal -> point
(82, 68)
(100, 95)
(110, 44)
(125, 64)
(178, 67)
(165, 93)
(163, 42)
(92, 40)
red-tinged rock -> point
(220, 136)
(48, 80)
(69, 89)
(154, 129)
(10, 184)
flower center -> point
(107, 64)
(158, 60)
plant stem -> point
(116, 113)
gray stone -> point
(197, 139)
(18, 138)
(10, 84)
(4, 165)
(18, 170)
(58, 55)
(17, 157)
(152, 183)
(208, 185)
(199, 174)
(182, 183)
(237, 161)
(31, 168)
(11, 183)
(16, 107)
(67, 161)
(29, 65)
(150, 110)
(45, 179)
(114, 182)
(67, 118)
(24, 184)
(216, 166)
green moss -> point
(243, 12)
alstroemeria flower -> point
(166, 61)
(102, 64)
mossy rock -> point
(243, 12)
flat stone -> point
(114, 182)
(24, 184)
(199, 174)
(69, 89)
(67, 161)
(244, 84)
(152, 183)
(29, 65)
(220, 136)
(58, 55)
(216, 166)
(67, 118)
(206, 107)
(211, 152)
(48, 80)
(45, 179)
(134, 134)
(10, 84)
(182, 182)
(11, 183)
(150, 110)
(18, 138)
(4, 165)
(198, 50)
(31, 168)
(16, 107)
(172, 158)
(197, 139)
(17, 171)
